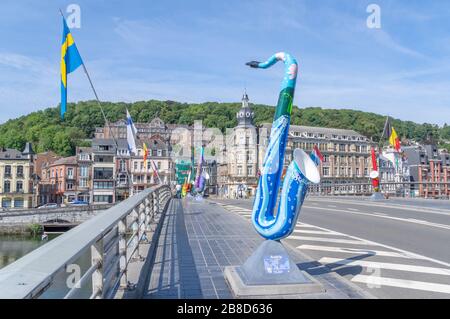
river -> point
(14, 247)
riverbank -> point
(17, 229)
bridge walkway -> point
(198, 240)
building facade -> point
(103, 171)
(16, 177)
(429, 170)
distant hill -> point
(47, 132)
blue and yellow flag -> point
(70, 61)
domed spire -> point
(245, 114)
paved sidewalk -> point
(199, 239)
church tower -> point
(245, 115)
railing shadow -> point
(175, 269)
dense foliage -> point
(48, 132)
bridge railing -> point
(112, 239)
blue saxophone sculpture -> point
(299, 174)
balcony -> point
(19, 175)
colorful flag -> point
(70, 61)
(394, 140)
(316, 155)
(131, 133)
(155, 170)
(145, 155)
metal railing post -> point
(122, 228)
(135, 229)
(141, 221)
(97, 276)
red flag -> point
(319, 155)
(375, 181)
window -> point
(159, 165)
(84, 157)
(20, 171)
(250, 170)
(142, 166)
(326, 171)
(149, 165)
(103, 198)
(7, 187)
(357, 172)
(70, 172)
(366, 171)
(18, 202)
(159, 153)
(239, 170)
(341, 147)
(103, 173)
(7, 171)
(19, 186)
(135, 165)
(103, 185)
(69, 186)
(83, 182)
(84, 171)
(6, 202)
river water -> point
(14, 247)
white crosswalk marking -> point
(402, 283)
(373, 264)
(329, 240)
(322, 243)
(353, 251)
(317, 232)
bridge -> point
(17, 221)
(155, 246)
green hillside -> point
(47, 132)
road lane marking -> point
(317, 232)
(329, 240)
(373, 243)
(373, 264)
(411, 254)
(333, 206)
(354, 209)
(354, 251)
(402, 283)
(395, 206)
(381, 216)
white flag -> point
(131, 133)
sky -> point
(195, 51)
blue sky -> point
(195, 51)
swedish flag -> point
(70, 61)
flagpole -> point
(380, 150)
(104, 116)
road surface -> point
(394, 249)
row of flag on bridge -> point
(70, 61)
(132, 148)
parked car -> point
(48, 205)
(78, 203)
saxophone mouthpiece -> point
(253, 64)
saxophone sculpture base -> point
(377, 196)
(270, 271)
